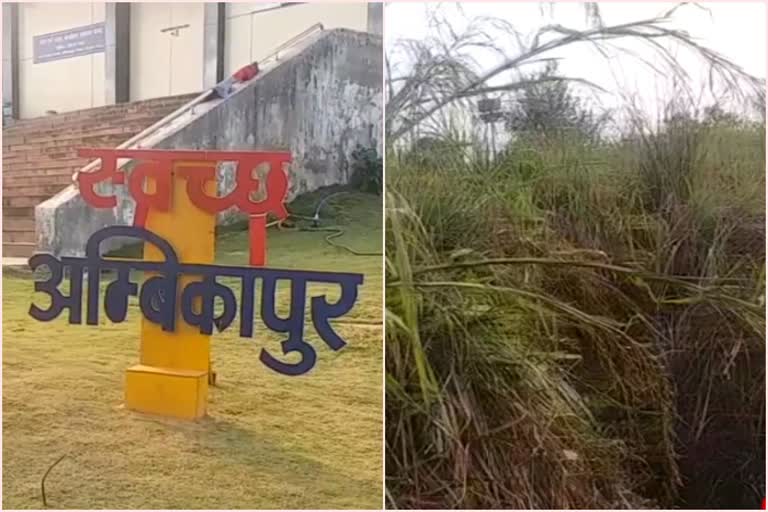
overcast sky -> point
(737, 30)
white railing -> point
(317, 27)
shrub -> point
(366, 170)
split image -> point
(383, 255)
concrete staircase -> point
(39, 157)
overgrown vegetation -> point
(585, 333)
(579, 322)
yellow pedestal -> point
(167, 392)
(172, 377)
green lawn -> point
(270, 441)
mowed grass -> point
(269, 441)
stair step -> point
(20, 174)
(19, 236)
(24, 212)
(25, 190)
(124, 119)
(37, 158)
(24, 201)
(169, 104)
(18, 249)
(74, 136)
(64, 178)
(18, 224)
(45, 163)
(46, 167)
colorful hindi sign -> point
(176, 206)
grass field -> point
(270, 441)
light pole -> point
(490, 114)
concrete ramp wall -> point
(319, 100)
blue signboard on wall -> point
(69, 43)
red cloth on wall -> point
(246, 72)
(224, 88)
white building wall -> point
(254, 30)
(162, 63)
(62, 85)
(166, 63)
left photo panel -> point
(192, 255)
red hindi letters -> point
(159, 166)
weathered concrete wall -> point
(319, 102)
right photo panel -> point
(575, 255)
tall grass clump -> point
(579, 324)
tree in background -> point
(441, 73)
(549, 108)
